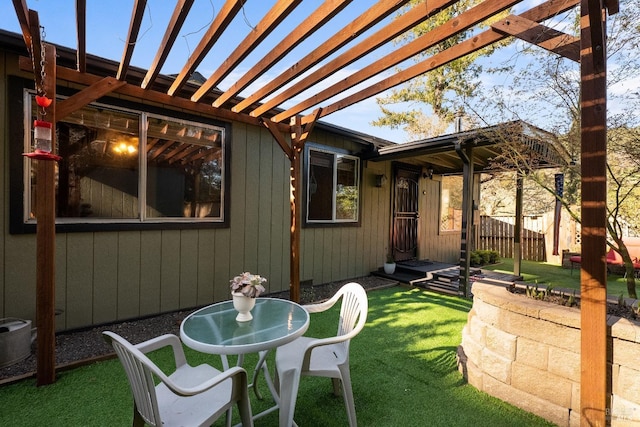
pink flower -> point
(248, 284)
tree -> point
(546, 91)
(442, 89)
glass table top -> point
(214, 329)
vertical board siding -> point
(19, 278)
(170, 270)
(81, 300)
(188, 281)
(263, 203)
(205, 267)
(238, 188)
(105, 277)
(222, 272)
(128, 278)
(150, 272)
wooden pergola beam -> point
(395, 28)
(86, 79)
(275, 16)
(81, 34)
(22, 13)
(132, 38)
(540, 35)
(479, 41)
(277, 135)
(220, 23)
(87, 95)
(173, 29)
(454, 26)
(312, 23)
(358, 26)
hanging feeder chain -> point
(43, 62)
(39, 85)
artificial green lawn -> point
(558, 277)
(403, 367)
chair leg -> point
(337, 387)
(138, 421)
(244, 409)
(289, 382)
(347, 392)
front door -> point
(405, 213)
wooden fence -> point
(496, 233)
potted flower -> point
(245, 288)
(248, 284)
(390, 264)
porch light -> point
(124, 148)
(428, 173)
(381, 180)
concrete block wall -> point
(527, 352)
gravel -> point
(75, 348)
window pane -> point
(320, 181)
(347, 191)
(184, 170)
(98, 174)
(332, 186)
(451, 204)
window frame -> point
(334, 221)
(20, 89)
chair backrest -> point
(353, 312)
(139, 369)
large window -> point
(451, 203)
(122, 165)
(333, 191)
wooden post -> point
(593, 277)
(296, 191)
(466, 154)
(45, 239)
(517, 228)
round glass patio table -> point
(214, 329)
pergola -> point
(262, 107)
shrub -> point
(484, 257)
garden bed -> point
(527, 352)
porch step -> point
(441, 286)
(452, 274)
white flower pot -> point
(389, 267)
(243, 305)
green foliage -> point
(442, 89)
(484, 257)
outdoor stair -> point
(443, 280)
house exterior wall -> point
(433, 243)
(107, 276)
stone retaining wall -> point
(527, 352)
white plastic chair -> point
(190, 396)
(322, 357)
